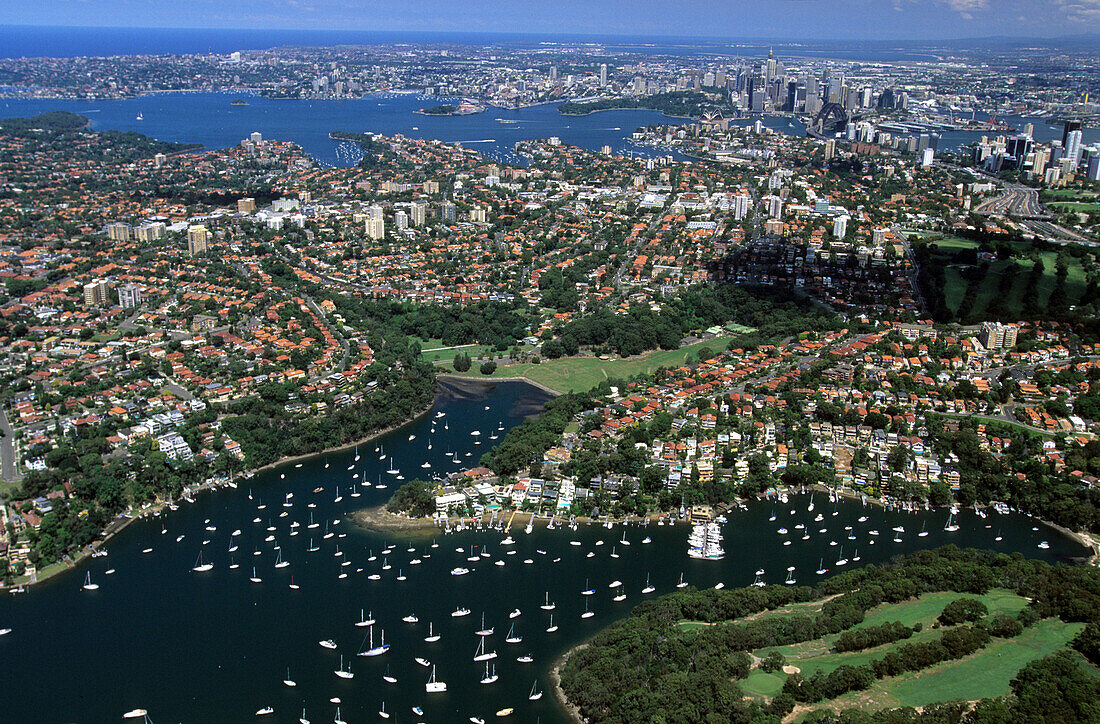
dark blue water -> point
(210, 119)
(215, 647)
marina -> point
(348, 616)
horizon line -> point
(609, 35)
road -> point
(1018, 201)
(9, 463)
(642, 239)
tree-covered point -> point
(685, 104)
(48, 121)
(524, 445)
(414, 499)
(650, 667)
(69, 131)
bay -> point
(215, 647)
(210, 119)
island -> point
(440, 110)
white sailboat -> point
(342, 672)
(88, 585)
(373, 650)
(432, 637)
(201, 566)
(289, 681)
(535, 694)
(481, 654)
(434, 686)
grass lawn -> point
(984, 674)
(434, 350)
(1074, 206)
(954, 243)
(579, 374)
(955, 285)
(761, 683)
(817, 655)
(8, 487)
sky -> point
(773, 19)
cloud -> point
(1085, 11)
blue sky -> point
(788, 19)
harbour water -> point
(216, 647)
(210, 119)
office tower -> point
(1068, 128)
(95, 292)
(401, 220)
(375, 228)
(1092, 170)
(1073, 147)
(198, 239)
(1019, 147)
(1029, 130)
(771, 66)
(553, 74)
(117, 231)
(246, 205)
(603, 75)
(840, 226)
(419, 214)
(129, 296)
(448, 212)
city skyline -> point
(753, 19)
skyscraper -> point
(1073, 146)
(603, 75)
(1068, 128)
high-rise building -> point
(603, 75)
(246, 205)
(1092, 170)
(774, 205)
(401, 220)
(1073, 147)
(830, 148)
(374, 211)
(256, 138)
(741, 205)
(151, 231)
(159, 160)
(553, 74)
(840, 227)
(419, 214)
(1067, 128)
(995, 335)
(118, 231)
(376, 228)
(198, 239)
(129, 296)
(95, 292)
(448, 212)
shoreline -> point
(560, 698)
(121, 522)
(460, 378)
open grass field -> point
(1074, 206)
(983, 674)
(433, 350)
(579, 374)
(988, 288)
(817, 655)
